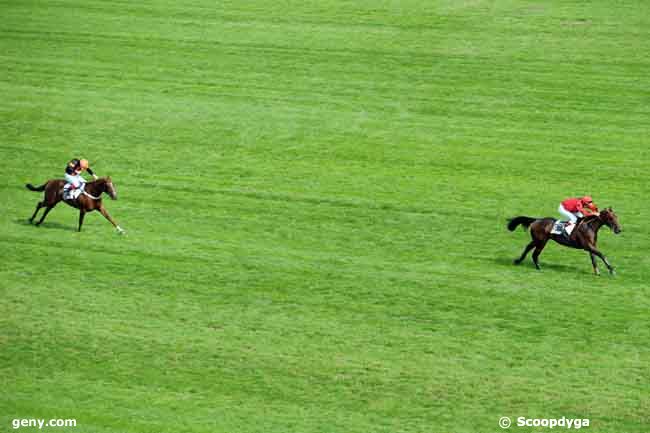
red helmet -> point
(586, 199)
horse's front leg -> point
(594, 264)
(104, 212)
(602, 257)
(82, 214)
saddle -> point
(70, 193)
(565, 228)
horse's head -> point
(609, 218)
(110, 188)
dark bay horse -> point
(89, 200)
(584, 235)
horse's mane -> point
(588, 219)
(99, 183)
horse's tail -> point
(36, 188)
(523, 220)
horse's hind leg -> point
(529, 247)
(38, 207)
(538, 250)
(47, 210)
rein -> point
(90, 195)
(591, 219)
(87, 194)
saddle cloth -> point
(70, 193)
(561, 227)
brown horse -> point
(584, 235)
(89, 200)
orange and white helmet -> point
(83, 164)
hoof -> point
(612, 272)
(516, 262)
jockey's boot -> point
(568, 229)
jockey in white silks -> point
(75, 183)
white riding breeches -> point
(73, 187)
(571, 216)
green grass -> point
(315, 196)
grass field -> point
(315, 197)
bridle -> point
(608, 222)
(87, 194)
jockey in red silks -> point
(75, 183)
(574, 208)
